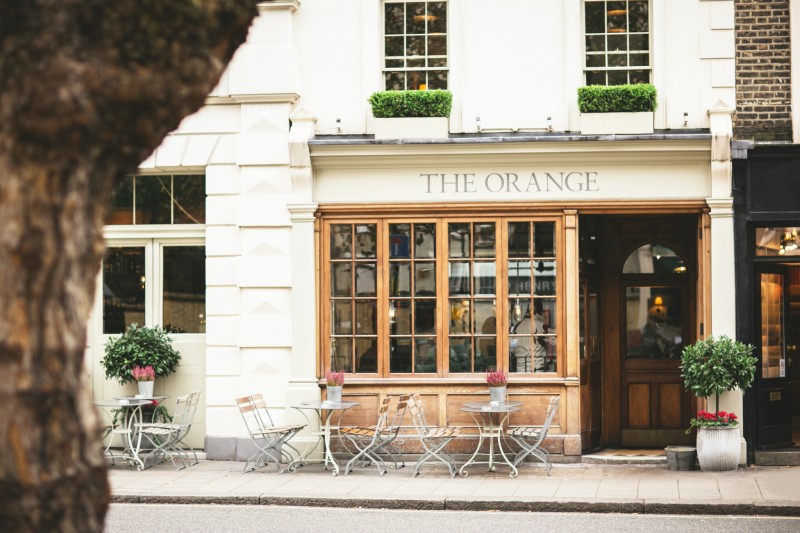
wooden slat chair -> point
(366, 439)
(270, 440)
(530, 438)
(165, 439)
(433, 439)
(390, 433)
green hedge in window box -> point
(617, 98)
(406, 104)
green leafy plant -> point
(400, 104)
(713, 366)
(139, 346)
(617, 98)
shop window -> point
(777, 242)
(617, 41)
(421, 297)
(415, 45)
(159, 199)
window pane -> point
(365, 279)
(639, 42)
(122, 202)
(596, 60)
(395, 81)
(437, 17)
(342, 354)
(653, 258)
(460, 354)
(485, 278)
(425, 241)
(393, 18)
(415, 17)
(519, 359)
(366, 317)
(123, 288)
(340, 241)
(639, 76)
(544, 278)
(772, 324)
(617, 77)
(399, 241)
(595, 78)
(425, 355)
(394, 46)
(152, 199)
(519, 277)
(654, 322)
(484, 240)
(342, 318)
(595, 17)
(617, 43)
(485, 319)
(184, 289)
(459, 278)
(402, 319)
(780, 241)
(437, 80)
(595, 43)
(366, 355)
(519, 239)
(395, 63)
(459, 240)
(400, 279)
(341, 282)
(365, 241)
(617, 60)
(485, 354)
(425, 284)
(400, 356)
(425, 317)
(544, 239)
(437, 45)
(459, 316)
(617, 16)
(190, 199)
(637, 15)
(639, 59)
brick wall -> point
(763, 71)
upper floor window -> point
(617, 41)
(159, 199)
(415, 45)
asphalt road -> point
(141, 518)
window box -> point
(412, 128)
(411, 114)
(617, 109)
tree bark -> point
(88, 88)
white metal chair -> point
(433, 439)
(270, 440)
(366, 439)
(530, 438)
(166, 439)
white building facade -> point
(411, 263)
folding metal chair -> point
(389, 435)
(166, 439)
(270, 440)
(366, 439)
(530, 438)
(433, 439)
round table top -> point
(327, 405)
(137, 397)
(491, 407)
(123, 402)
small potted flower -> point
(145, 377)
(334, 381)
(710, 367)
(497, 381)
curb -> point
(627, 506)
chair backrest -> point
(414, 405)
(399, 414)
(185, 409)
(383, 414)
(548, 418)
(254, 413)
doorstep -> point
(780, 457)
(626, 457)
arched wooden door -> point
(650, 280)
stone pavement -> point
(767, 491)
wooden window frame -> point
(442, 294)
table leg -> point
(302, 459)
(328, 454)
(470, 461)
(133, 452)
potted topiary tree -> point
(411, 114)
(710, 367)
(140, 347)
(617, 109)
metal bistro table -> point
(490, 417)
(324, 412)
(130, 415)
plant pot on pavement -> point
(681, 457)
(718, 448)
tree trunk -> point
(88, 88)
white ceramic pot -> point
(334, 394)
(146, 388)
(718, 448)
(497, 394)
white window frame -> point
(629, 68)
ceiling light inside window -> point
(617, 12)
(427, 17)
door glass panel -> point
(772, 353)
(654, 259)
(184, 297)
(366, 355)
(654, 322)
(123, 288)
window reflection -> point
(123, 288)
(654, 322)
(185, 289)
